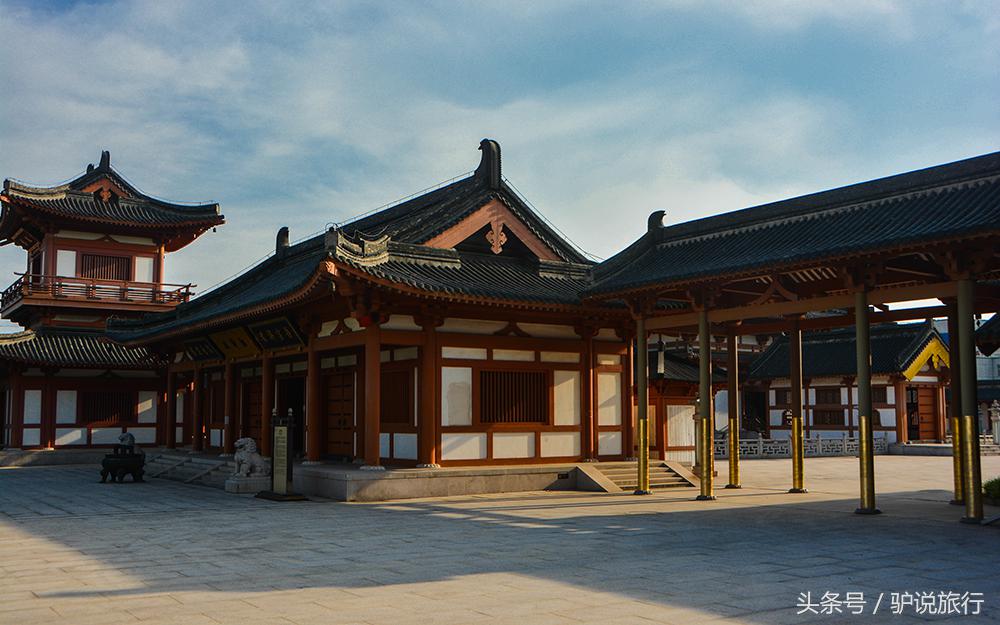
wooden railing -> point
(93, 289)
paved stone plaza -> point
(77, 552)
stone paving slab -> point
(73, 551)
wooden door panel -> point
(339, 402)
(927, 407)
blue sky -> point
(303, 114)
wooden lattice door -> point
(340, 407)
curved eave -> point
(184, 224)
(479, 300)
(751, 271)
(323, 274)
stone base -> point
(251, 484)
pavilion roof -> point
(960, 199)
(60, 348)
(123, 205)
(894, 347)
(388, 249)
(988, 336)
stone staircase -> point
(661, 475)
(190, 469)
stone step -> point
(624, 475)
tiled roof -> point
(960, 199)
(833, 352)
(134, 209)
(273, 279)
(448, 272)
(678, 369)
(73, 349)
(387, 247)
(988, 336)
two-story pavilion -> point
(445, 330)
(95, 247)
(928, 234)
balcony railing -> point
(94, 290)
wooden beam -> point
(777, 309)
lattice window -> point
(104, 267)
(397, 397)
(828, 417)
(513, 397)
(108, 407)
(828, 397)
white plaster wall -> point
(349, 360)
(609, 359)
(828, 434)
(401, 322)
(781, 434)
(32, 407)
(30, 437)
(609, 399)
(811, 397)
(463, 446)
(887, 416)
(66, 263)
(514, 445)
(404, 446)
(519, 355)
(471, 326)
(143, 269)
(456, 396)
(566, 397)
(890, 394)
(925, 378)
(104, 436)
(405, 353)
(383, 444)
(609, 444)
(179, 436)
(775, 416)
(843, 395)
(570, 357)
(66, 407)
(680, 426)
(548, 330)
(891, 436)
(721, 405)
(147, 406)
(464, 353)
(557, 444)
(606, 334)
(71, 436)
(215, 438)
(144, 435)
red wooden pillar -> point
(427, 453)
(267, 403)
(629, 402)
(197, 426)
(314, 410)
(228, 409)
(16, 410)
(373, 398)
(588, 416)
(171, 433)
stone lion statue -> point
(248, 461)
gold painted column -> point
(866, 440)
(197, 422)
(642, 417)
(706, 431)
(971, 470)
(315, 434)
(373, 397)
(733, 392)
(795, 397)
(229, 409)
(266, 403)
(171, 433)
(955, 412)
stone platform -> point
(344, 482)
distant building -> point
(910, 374)
(94, 248)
